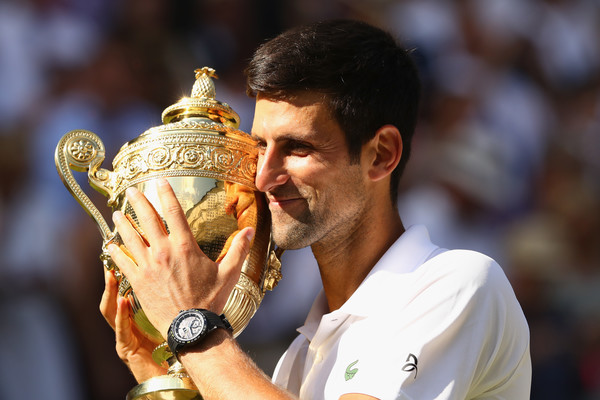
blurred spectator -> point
(37, 36)
(566, 42)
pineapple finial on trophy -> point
(204, 86)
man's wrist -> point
(192, 327)
(212, 341)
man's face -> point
(316, 195)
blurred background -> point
(504, 161)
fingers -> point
(109, 298)
(123, 328)
(116, 309)
(130, 236)
(173, 213)
(137, 228)
(240, 247)
(150, 222)
(125, 262)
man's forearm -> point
(221, 370)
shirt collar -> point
(313, 319)
(405, 255)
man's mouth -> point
(283, 202)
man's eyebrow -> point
(281, 138)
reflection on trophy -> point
(211, 166)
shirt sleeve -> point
(459, 333)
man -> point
(398, 317)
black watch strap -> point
(219, 321)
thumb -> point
(240, 247)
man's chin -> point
(287, 244)
(291, 247)
(290, 239)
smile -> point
(282, 203)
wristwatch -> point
(191, 326)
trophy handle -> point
(83, 151)
(273, 274)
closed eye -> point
(287, 145)
(261, 145)
(298, 148)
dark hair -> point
(367, 79)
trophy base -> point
(165, 387)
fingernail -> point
(131, 192)
(117, 215)
(162, 182)
(250, 235)
(111, 248)
(122, 302)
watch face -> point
(189, 326)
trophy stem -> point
(175, 385)
(165, 387)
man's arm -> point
(222, 370)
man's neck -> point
(345, 264)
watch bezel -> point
(183, 316)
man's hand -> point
(132, 346)
(170, 272)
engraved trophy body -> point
(211, 166)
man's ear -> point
(386, 151)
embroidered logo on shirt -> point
(411, 364)
(350, 372)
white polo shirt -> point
(424, 324)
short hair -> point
(368, 80)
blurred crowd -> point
(504, 162)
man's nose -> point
(271, 171)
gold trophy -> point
(211, 166)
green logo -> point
(350, 372)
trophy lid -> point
(202, 103)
